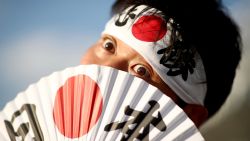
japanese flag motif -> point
(94, 103)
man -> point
(188, 49)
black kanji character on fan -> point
(141, 121)
(24, 128)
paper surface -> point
(93, 103)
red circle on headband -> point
(78, 106)
(149, 28)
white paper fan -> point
(94, 103)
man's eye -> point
(141, 71)
(109, 45)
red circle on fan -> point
(149, 28)
(78, 106)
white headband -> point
(149, 34)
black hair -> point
(207, 26)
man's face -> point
(112, 52)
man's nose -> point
(120, 63)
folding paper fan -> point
(94, 103)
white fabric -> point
(192, 91)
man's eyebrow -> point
(106, 36)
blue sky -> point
(40, 37)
